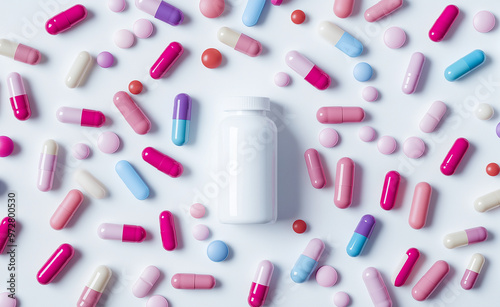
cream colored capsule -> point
(488, 201)
(78, 70)
(95, 287)
(90, 184)
(465, 237)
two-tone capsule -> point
(430, 281)
(260, 284)
(472, 272)
(390, 190)
(47, 165)
(95, 287)
(465, 237)
(315, 168)
(308, 70)
(464, 65)
(146, 281)
(413, 72)
(162, 162)
(167, 231)
(376, 288)
(134, 116)
(82, 117)
(90, 184)
(181, 119)
(307, 261)
(66, 209)
(361, 235)
(19, 52)
(443, 23)
(239, 42)
(192, 281)
(166, 60)
(405, 267)
(132, 179)
(66, 19)
(433, 116)
(161, 10)
(252, 12)
(79, 70)
(454, 156)
(382, 9)
(338, 115)
(420, 205)
(344, 41)
(124, 233)
(18, 98)
(344, 183)
(54, 265)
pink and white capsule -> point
(82, 117)
(376, 288)
(19, 52)
(430, 281)
(95, 287)
(308, 70)
(260, 284)
(433, 116)
(465, 237)
(405, 267)
(315, 168)
(472, 272)
(344, 183)
(382, 9)
(47, 165)
(146, 281)
(413, 73)
(124, 233)
(18, 98)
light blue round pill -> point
(217, 251)
(363, 72)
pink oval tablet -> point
(146, 281)
(386, 145)
(413, 147)
(341, 299)
(6, 300)
(116, 5)
(328, 137)
(197, 210)
(433, 116)
(484, 21)
(143, 28)
(394, 37)
(81, 151)
(108, 142)
(123, 38)
(157, 301)
(367, 134)
(326, 276)
(369, 94)
(281, 79)
(201, 232)
(6, 146)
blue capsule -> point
(181, 119)
(252, 12)
(361, 235)
(464, 65)
(132, 179)
(307, 261)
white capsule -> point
(78, 70)
(488, 201)
(90, 184)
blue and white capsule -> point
(132, 179)
(181, 119)
(361, 235)
(307, 261)
(344, 41)
(252, 12)
(465, 65)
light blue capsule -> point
(252, 12)
(464, 65)
(132, 180)
(349, 45)
(303, 269)
(181, 119)
(180, 131)
(356, 245)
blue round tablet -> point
(363, 72)
(217, 251)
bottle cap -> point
(247, 103)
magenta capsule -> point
(338, 115)
(239, 42)
(344, 183)
(82, 117)
(413, 73)
(19, 52)
(192, 281)
(167, 231)
(454, 156)
(18, 98)
(4, 233)
(315, 168)
(162, 162)
(124, 233)
(382, 9)
(472, 272)
(430, 281)
(132, 113)
(66, 209)
(443, 23)
(47, 165)
(55, 264)
(260, 284)
(405, 267)
(168, 57)
(306, 69)
(390, 190)
(376, 288)
(66, 20)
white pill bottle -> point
(247, 158)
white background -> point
(294, 109)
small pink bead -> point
(201, 232)
(369, 94)
(105, 59)
(394, 37)
(367, 134)
(6, 146)
(143, 28)
(123, 38)
(328, 137)
(386, 145)
(81, 151)
(326, 276)
(341, 299)
(281, 79)
(116, 5)
(108, 142)
(413, 147)
(484, 21)
(197, 211)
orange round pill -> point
(492, 169)
(135, 87)
(211, 58)
(298, 17)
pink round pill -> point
(123, 38)
(386, 145)
(414, 147)
(105, 59)
(341, 299)
(326, 276)
(108, 142)
(394, 37)
(81, 151)
(6, 146)
(369, 94)
(157, 301)
(116, 5)
(143, 28)
(484, 21)
(367, 134)
(197, 211)
(281, 79)
(201, 232)
(328, 137)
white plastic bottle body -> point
(247, 154)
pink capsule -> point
(443, 23)
(192, 281)
(315, 168)
(4, 233)
(167, 231)
(472, 272)
(82, 117)
(66, 20)
(343, 8)
(338, 115)
(260, 284)
(376, 288)
(19, 52)
(132, 113)
(420, 205)
(95, 287)
(306, 69)
(382, 9)
(276, 2)
(162, 162)
(55, 264)
(66, 209)
(433, 116)
(124, 233)
(168, 57)
(413, 73)
(390, 190)
(18, 97)
(239, 42)
(454, 156)
(344, 183)
(47, 165)
(146, 281)
(405, 267)
(430, 281)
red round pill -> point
(299, 226)
(135, 87)
(211, 58)
(298, 17)
(492, 169)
